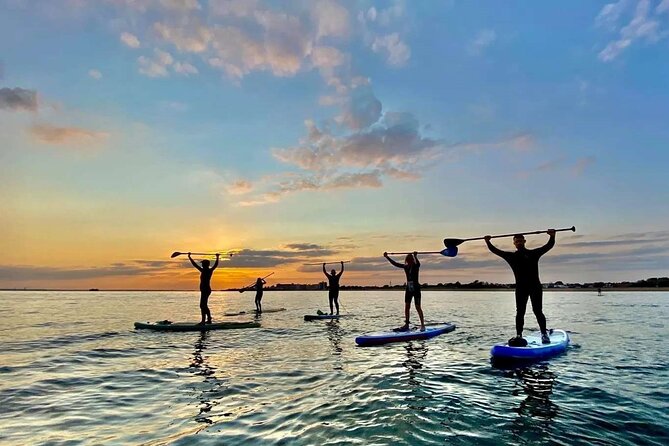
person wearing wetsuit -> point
(205, 286)
(525, 266)
(333, 286)
(411, 266)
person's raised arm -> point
(415, 257)
(394, 263)
(342, 269)
(549, 245)
(492, 247)
(216, 262)
(325, 272)
(199, 268)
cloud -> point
(67, 135)
(17, 99)
(397, 52)
(483, 40)
(644, 24)
(240, 187)
(330, 18)
(131, 268)
(130, 40)
(95, 74)
(582, 164)
(185, 69)
(157, 65)
(361, 108)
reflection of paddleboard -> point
(269, 310)
(317, 317)
(193, 326)
(384, 337)
(534, 349)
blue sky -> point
(298, 130)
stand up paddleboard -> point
(385, 337)
(318, 317)
(269, 310)
(193, 326)
(534, 350)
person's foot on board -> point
(404, 327)
(422, 328)
(545, 339)
(209, 321)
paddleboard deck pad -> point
(534, 350)
(385, 337)
(318, 317)
(193, 326)
(269, 310)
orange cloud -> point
(66, 135)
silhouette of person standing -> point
(525, 265)
(259, 291)
(411, 266)
(333, 286)
(205, 286)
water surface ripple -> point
(73, 371)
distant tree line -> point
(653, 282)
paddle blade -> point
(452, 243)
(450, 251)
(175, 254)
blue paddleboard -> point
(385, 337)
(534, 350)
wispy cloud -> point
(130, 40)
(483, 40)
(95, 74)
(645, 25)
(396, 51)
(67, 135)
(155, 66)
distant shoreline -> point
(580, 290)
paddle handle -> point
(573, 229)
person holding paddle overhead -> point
(333, 286)
(525, 265)
(411, 266)
(205, 286)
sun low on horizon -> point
(295, 133)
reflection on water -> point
(537, 383)
(335, 333)
(416, 352)
(201, 366)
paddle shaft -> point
(418, 252)
(253, 284)
(325, 263)
(456, 241)
(177, 254)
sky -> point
(323, 130)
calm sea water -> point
(74, 371)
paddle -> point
(177, 254)
(326, 263)
(450, 251)
(249, 286)
(454, 242)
